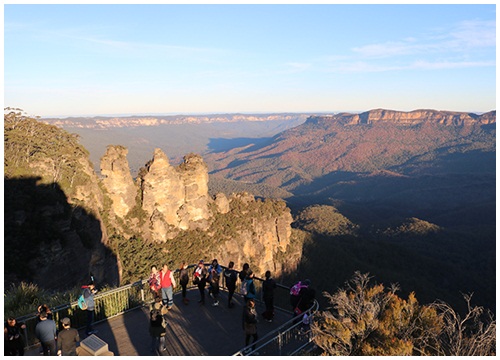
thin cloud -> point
(463, 46)
(296, 67)
(467, 35)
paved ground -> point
(193, 329)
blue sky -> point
(137, 59)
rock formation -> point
(118, 181)
(175, 198)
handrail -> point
(123, 299)
(272, 342)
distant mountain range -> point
(106, 122)
(177, 135)
(399, 142)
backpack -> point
(295, 289)
(82, 304)
(244, 288)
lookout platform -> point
(192, 330)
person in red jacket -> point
(168, 284)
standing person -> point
(167, 282)
(88, 294)
(157, 326)
(67, 339)
(184, 280)
(268, 287)
(13, 341)
(154, 281)
(295, 295)
(250, 323)
(251, 292)
(46, 332)
(243, 273)
(306, 296)
(230, 276)
(46, 309)
(214, 271)
(200, 279)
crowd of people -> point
(53, 342)
(162, 284)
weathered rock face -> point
(194, 212)
(268, 235)
(417, 117)
(175, 198)
(118, 181)
(222, 203)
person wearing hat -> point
(67, 339)
(200, 279)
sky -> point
(70, 60)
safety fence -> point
(115, 302)
(292, 338)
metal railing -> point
(289, 339)
(115, 302)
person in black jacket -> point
(306, 296)
(250, 322)
(13, 342)
(67, 339)
(268, 287)
(243, 273)
(230, 277)
(184, 280)
(157, 326)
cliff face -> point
(262, 237)
(118, 181)
(415, 117)
(175, 199)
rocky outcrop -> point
(263, 235)
(194, 212)
(117, 180)
(222, 203)
(175, 198)
(163, 194)
(448, 118)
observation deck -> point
(193, 329)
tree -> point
(471, 335)
(373, 320)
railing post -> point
(279, 344)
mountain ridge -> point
(358, 143)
